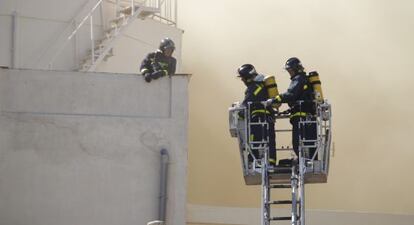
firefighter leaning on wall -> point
(300, 89)
(256, 92)
(159, 63)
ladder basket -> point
(240, 125)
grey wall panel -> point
(95, 94)
(84, 148)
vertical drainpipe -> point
(14, 41)
(163, 185)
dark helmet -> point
(166, 43)
(294, 63)
(247, 71)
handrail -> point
(165, 15)
(84, 19)
(72, 21)
(74, 32)
(170, 22)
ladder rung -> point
(280, 170)
(284, 149)
(281, 218)
(281, 202)
(283, 130)
(281, 186)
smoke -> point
(363, 51)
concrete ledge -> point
(84, 94)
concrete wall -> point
(84, 148)
(41, 30)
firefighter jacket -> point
(157, 61)
(256, 92)
(299, 90)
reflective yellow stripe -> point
(257, 90)
(251, 137)
(298, 114)
(305, 87)
(260, 111)
(278, 98)
(272, 160)
(166, 72)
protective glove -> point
(274, 101)
(147, 77)
(241, 115)
(157, 74)
(268, 102)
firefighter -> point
(299, 97)
(256, 92)
(159, 63)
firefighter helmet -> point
(166, 43)
(294, 63)
(247, 71)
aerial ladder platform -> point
(301, 170)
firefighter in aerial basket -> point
(255, 93)
(300, 97)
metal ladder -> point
(297, 180)
(305, 169)
(297, 186)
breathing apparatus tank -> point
(316, 84)
(271, 87)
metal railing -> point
(240, 127)
(167, 9)
(61, 36)
(167, 14)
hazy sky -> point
(363, 50)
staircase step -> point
(84, 67)
(101, 42)
(97, 52)
(118, 19)
(281, 218)
(127, 10)
(280, 202)
(98, 49)
(111, 29)
(148, 11)
(88, 59)
(281, 186)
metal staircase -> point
(127, 11)
(101, 47)
(300, 171)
